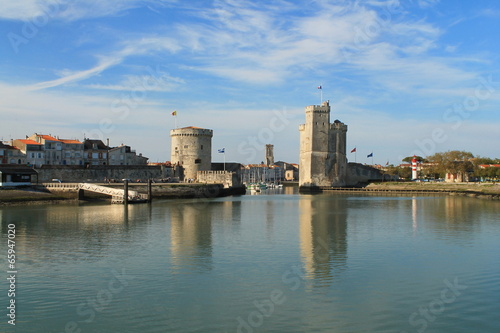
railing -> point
(116, 193)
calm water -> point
(258, 263)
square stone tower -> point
(323, 160)
(269, 155)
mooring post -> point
(125, 191)
(150, 190)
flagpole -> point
(224, 159)
(321, 94)
(355, 154)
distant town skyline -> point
(406, 77)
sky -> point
(407, 77)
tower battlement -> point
(338, 125)
(191, 131)
(323, 108)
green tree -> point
(419, 159)
(454, 161)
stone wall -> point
(229, 179)
(98, 173)
(360, 175)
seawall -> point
(100, 173)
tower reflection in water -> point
(323, 237)
(191, 226)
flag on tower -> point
(319, 87)
(222, 151)
(370, 155)
(354, 150)
(174, 113)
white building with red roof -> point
(34, 152)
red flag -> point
(354, 150)
(319, 87)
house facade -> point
(95, 152)
(124, 155)
(52, 147)
(34, 152)
(11, 155)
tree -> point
(402, 172)
(419, 159)
(453, 161)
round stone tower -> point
(191, 149)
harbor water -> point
(273, 262)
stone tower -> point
(269, 155)
(191, 149)
(323, 160)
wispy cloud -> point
(71, 10)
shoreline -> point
(36, 194)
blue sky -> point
(415, 76)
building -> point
(95, 152)
(11, 155)
(58, 151)
(269, 155)
(72, 152)
(16, 175)
(124, 155)
(35, 155)
(191, 151)
(256, 173)
(323, 160)
(52, 147)
(290, 170)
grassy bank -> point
(489, 190)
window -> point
(186, 146)
(201, 147)
(197, 161)
(95, 155)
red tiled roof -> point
(29, 142)
(47, 137)
(70, 141)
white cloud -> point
(70, 10)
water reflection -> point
(323, 233)
(191, 234)
(81, 232)
(191, 229)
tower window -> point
(197, 161)
(185, 146)
(201, 147)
